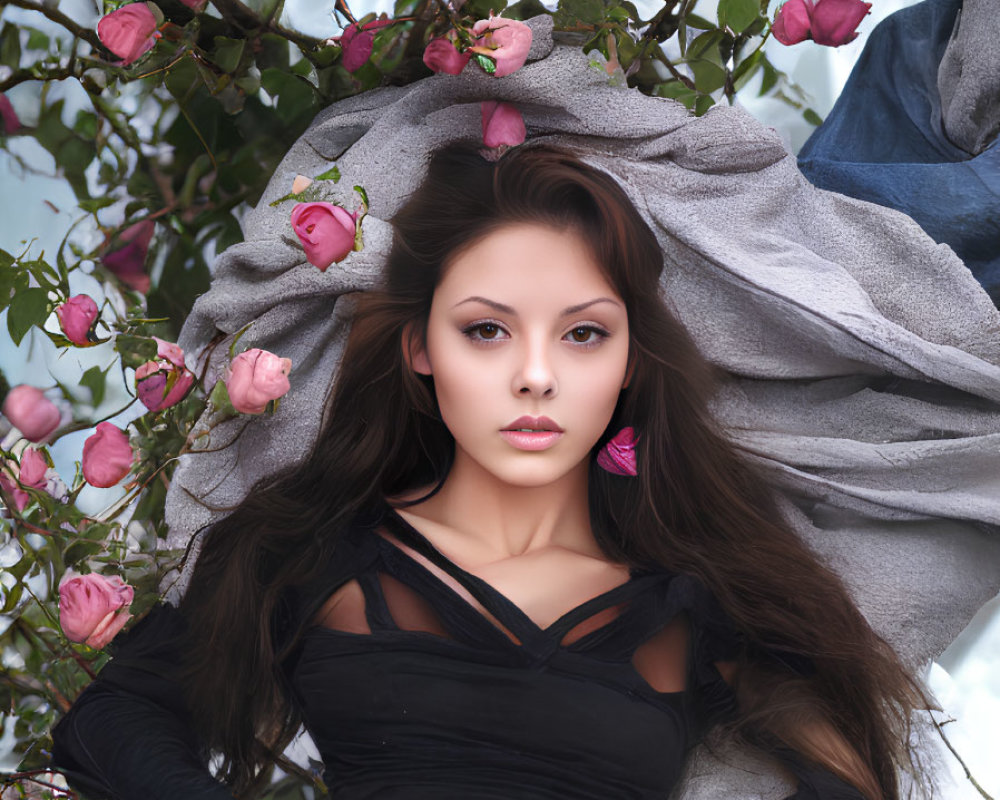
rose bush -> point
(93, 608)
(255, 378)
(107, 456)
(327, 232)
(31, 412)
(356, 42)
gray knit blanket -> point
(864, 358)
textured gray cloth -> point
(969, 77)
(864, 357)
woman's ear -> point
(415, 351)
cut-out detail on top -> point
(482, 596)
(662, 660)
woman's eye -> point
(484, 331)
(585, 334)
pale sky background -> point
(966, 678)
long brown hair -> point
(697, 507)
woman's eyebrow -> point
(508, 310)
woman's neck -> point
(497, 520)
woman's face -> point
(527, 343)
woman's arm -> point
(127, 736)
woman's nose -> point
(535, 374)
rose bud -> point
(502, 124)
(356, 43)
(827, 22)
(440, 55)
(107, 456)
(31, 412)
(301, 183)
(127, 261)
(93, 608)
(15, 493)
(128, 32)
(834, 21)
(76, 318)
(505, 41)
(31, 474)
(791, 25)
(326, 231)
(9, 123)
(255, 378)
(160, 386)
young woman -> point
(520, 561)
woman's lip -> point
(534, 423)
(531, 440)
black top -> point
(435, 693)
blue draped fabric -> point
(884, 142)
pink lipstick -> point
(532, 433)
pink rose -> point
(33, 468)
(76, 318)
(502, 124)
(255, 378)
(127, 261)
(826, 22)
(505, 41)
(160, 385)
(31, 412)
(441, 55)
(93, 608)
(8, 116)
(15, 494)
(128, 32)
(356, 42)
(107, 456)
(31, 474)
(326, 231)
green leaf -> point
(10, 46)
(96, 203)
(95, 379)
(228, 53)
(51, 132)
(135, 350)
(708, 76)
(738, 14)
(676, 90)
(571, 12)
(702, 24)
(746, 69)
(219, 398)
(812, 117)
(706, 45)
(770, 78)
(37, 40)
(485, 63)
(703, 103)
(29, 307)
(332, 174)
